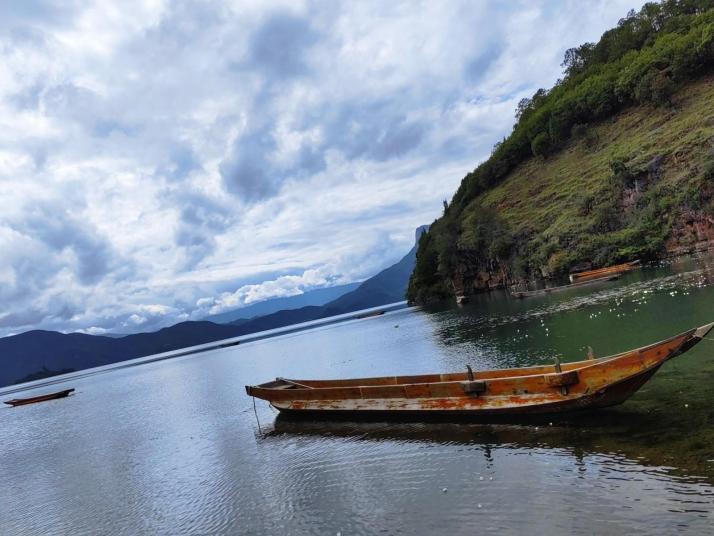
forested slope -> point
(615, 162)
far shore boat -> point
(537, 390)
(370, 315)
(40, 398)
(542, 291)
(602, 272)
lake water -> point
(173, 447)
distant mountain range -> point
(388, 286)
(39, 354)
(319, 296)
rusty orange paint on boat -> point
(603, 272)
(543, 389)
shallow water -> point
(173, 447)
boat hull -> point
(428, 409)
(602, 272)
(41, 398)
(540, 390)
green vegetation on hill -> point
(600, 168)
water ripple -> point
(174, 447)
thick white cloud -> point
(163, 160)
(283, 286)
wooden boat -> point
(543, 389)
(540, 292)
(369, 315)
(601, 272)
(40, 398)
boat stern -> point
(264, 390)
(702, 331)
(255, 390)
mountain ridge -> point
(319, 296)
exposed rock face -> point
(469, 281)
(694, 231)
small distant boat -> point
(540, 292)
(601, 272)
(370, 315)
(41, 398)
(540, 390)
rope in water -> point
(256, 416)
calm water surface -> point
(173, 447)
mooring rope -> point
(256, 416)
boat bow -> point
(698, 334)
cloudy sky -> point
(162, 161)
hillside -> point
(610, 173)
(388, 286)
(663, 153)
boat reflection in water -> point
(602, 435)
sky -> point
(164, 161)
